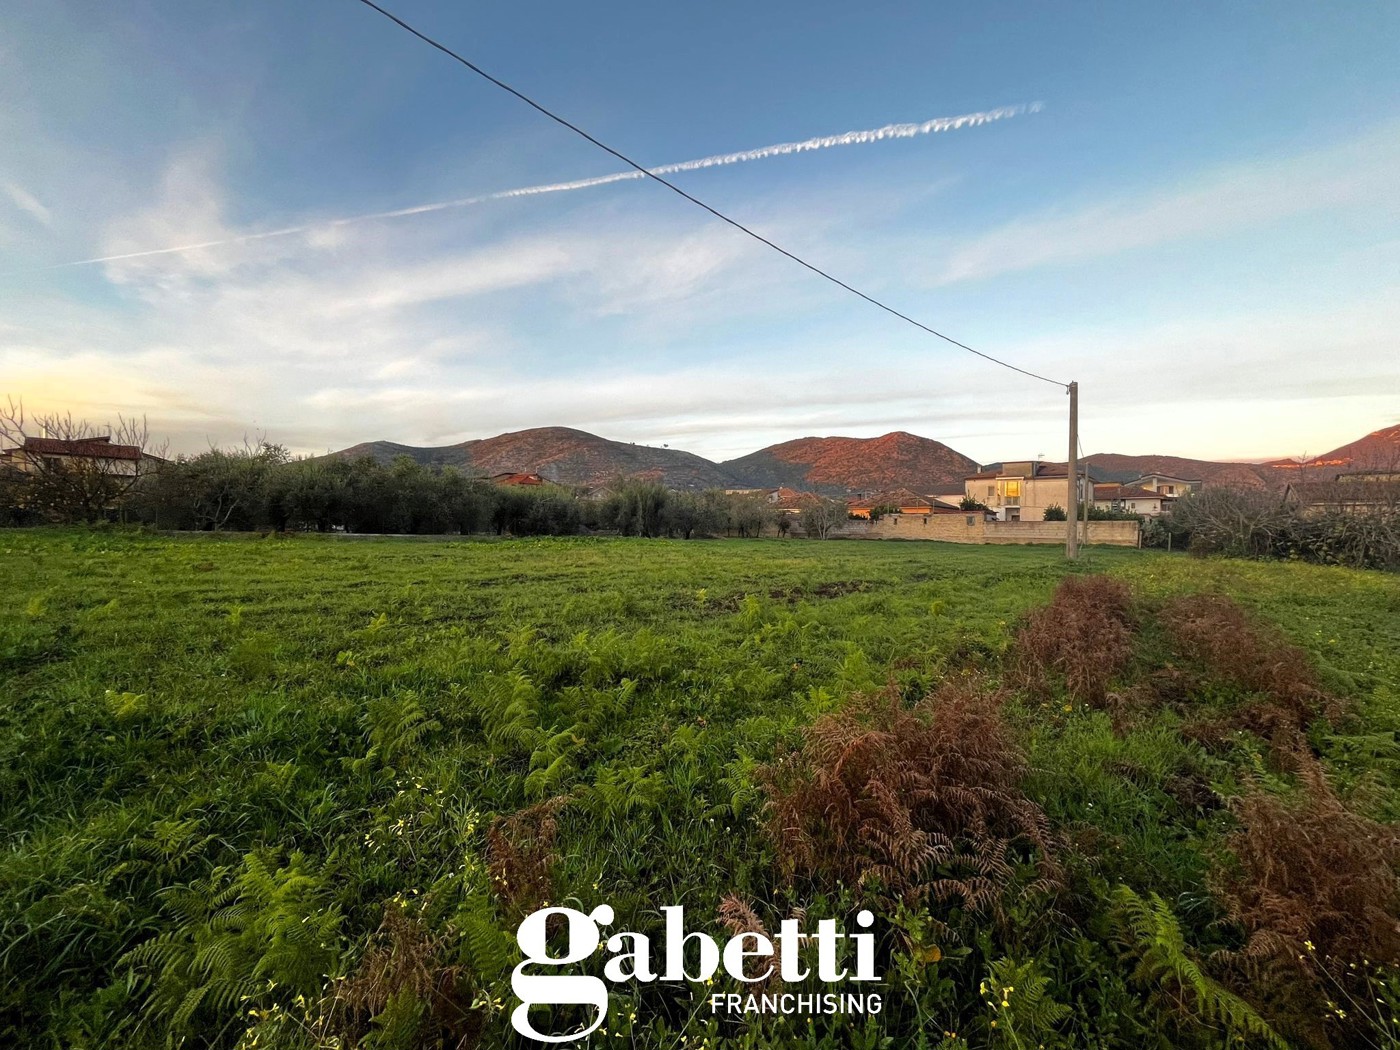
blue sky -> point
(1201, 223)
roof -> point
(90, 448)
(511, 478)
(797, 500)
(893, 498)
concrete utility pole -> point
(1072, 511)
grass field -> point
(225, 763)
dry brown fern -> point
(1083, 637)
(402, 958)
(911, 803)
(737, 916)
(520, 853)
(1314, 887)
(1235, 647)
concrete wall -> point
(954, 528)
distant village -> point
(1017, 491)
(1010, 502)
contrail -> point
(782, 149)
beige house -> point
(40, 455)
(1022, 490)
(1134, 499)
(1165, 484)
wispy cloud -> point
(1221, 201)
(28, 203)
(783, 149)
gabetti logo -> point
(632, 961)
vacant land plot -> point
(300, 792)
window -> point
(1013, 490)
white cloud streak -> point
(28, 203)
(782, 149)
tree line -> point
(261, 488)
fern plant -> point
(1025, 1012)
(1148, 931)
(265, 932)
(393, 725)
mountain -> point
(841, 464)
(834, 465)
(1379, 450)
(560, 454)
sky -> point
(1191, 209)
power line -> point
(695, 200)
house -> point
(790, 501)
(511, 478)
(1166, 484)
(1370, 476)
(896, 501)
(1023, 489)
(39, 455)
(1135, 499)
(1349, 497)
(948, 493)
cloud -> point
(640, 324)
(324, 231)
(1361, 171)
(28, 203)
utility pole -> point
(1072, 515)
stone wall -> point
(971, 528)
(1101, 533)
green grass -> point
(302, 729)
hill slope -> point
(561, 454)
(1378, 450)
(842, 464)
(833, 465)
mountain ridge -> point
(833, 465)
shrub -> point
(1055, 512)
(911, 803)
(1084, 637)
(1314, 887)
(1262, 525)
